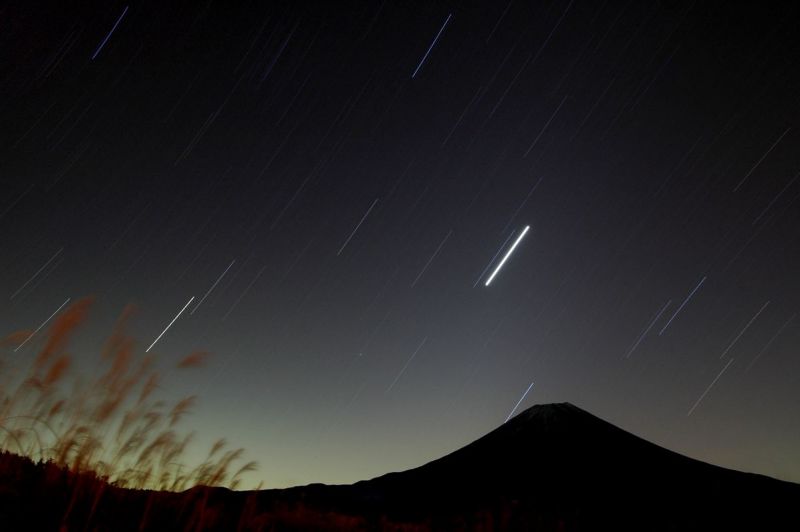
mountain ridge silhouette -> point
(551, 467)
(561, 463)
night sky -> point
(334, 184)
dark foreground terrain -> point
(552, 467)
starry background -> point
(335, 182)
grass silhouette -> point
(109, 426)
(103, 452)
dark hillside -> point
(552, 467)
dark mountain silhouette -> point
(552, 467)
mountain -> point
(552, 467)
(557, 467)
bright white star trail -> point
(518, 402)
(178, 315)
(508, 254)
